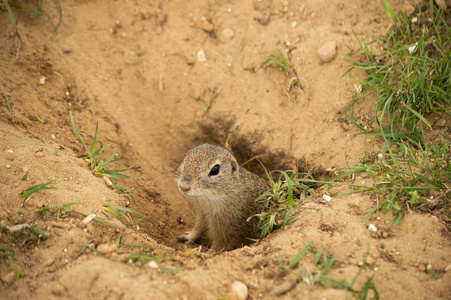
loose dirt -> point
(134, 67)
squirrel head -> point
(207, 172)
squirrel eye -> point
(214, 171)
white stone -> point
(327, 198)
(372, 227)
(327, 52)
(88, 219)
(413, 48)
(201, 56)
(240, 290)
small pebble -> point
(263, 20)
(8, 166)
(345, 126)
(441, 4)
(448, 268)
(8, 278)
(201, 56)
(240, 290)
(227, 35)
(372, 227)
(296, 245)
(327, 52)
(50, 262)
(327, 198)
(42, 80)
(107, 180)
(422, 268)
(106, 248)
(39, 154)
(153, 264)
(428, 267)
(385, 234)
(88, 219)
(282, 288)
(207, 26)
(58, 290)
(441, 123)
(185, 254)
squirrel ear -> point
(234, 165)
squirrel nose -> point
(183, 189)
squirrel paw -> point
(186, 237)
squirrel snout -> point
(184, 189)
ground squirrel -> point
(226, 194)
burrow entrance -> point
(169, 214)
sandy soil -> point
(133, 67)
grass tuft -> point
(278, 61)
(409, 87)
(97, 165)
(323, 264)
(287, 192)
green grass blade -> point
(29, 10)
(25, 176)
(294, 261)
(34, 189)
(102, 166)
(39, 232)
(121, 210)
(77, 134)
(61, 16)
(338, 284)
(7, 249)
(94, 141)
(423, 119)
(9, 105)
(389, 11)
(15, 268)
(73, 203)
(80, 252)
(368, 285)
(8, 8)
